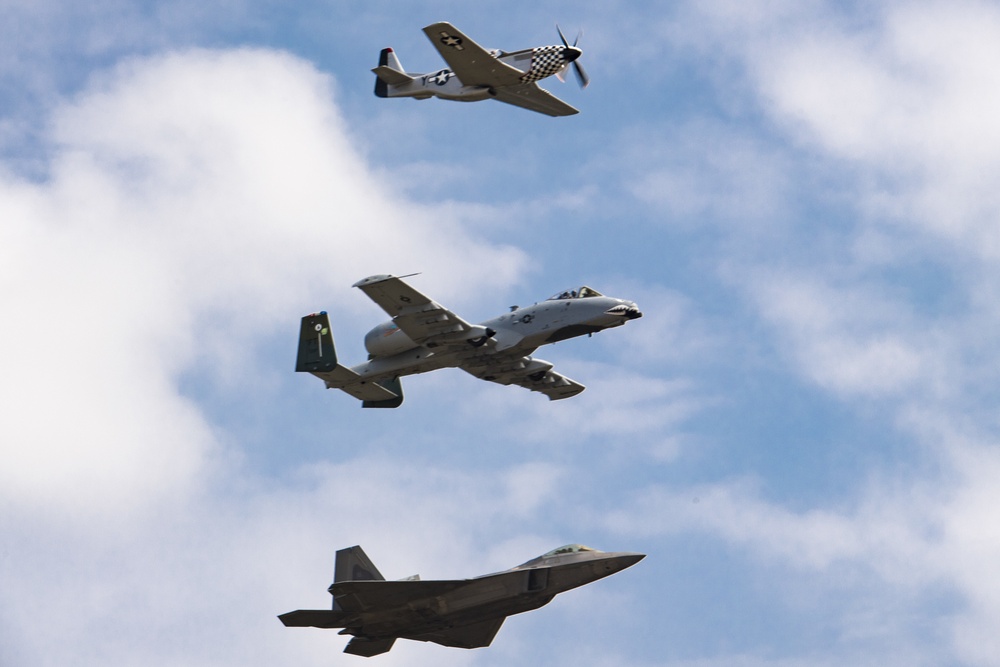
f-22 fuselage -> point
(423, 336)
(463, 613)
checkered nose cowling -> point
(546, 61)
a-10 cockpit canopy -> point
(579, 293)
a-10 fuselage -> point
(565, 315)
(423, 336)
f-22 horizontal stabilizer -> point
(368, 647)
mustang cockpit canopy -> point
(579, 293)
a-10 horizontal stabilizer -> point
(392, 385)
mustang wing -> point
(417, 316)
(534, 374)
(531, 96)
(474, 65)
(474, 635)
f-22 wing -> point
(496, 359)
(475, 66)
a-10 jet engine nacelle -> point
(387, 339)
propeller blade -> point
(562, 36)
(581, 74)
(561, 75)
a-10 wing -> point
(420, 318)
(427, 322)
(534, 374)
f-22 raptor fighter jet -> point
(477, 74)
(464, 613)
(423, 336)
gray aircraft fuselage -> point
(424, 336)
(464, 613)
(521, 332)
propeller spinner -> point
(571, 53)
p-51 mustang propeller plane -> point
(425, 336)
(477, 74)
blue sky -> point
(801, 433)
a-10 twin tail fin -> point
(318, 356)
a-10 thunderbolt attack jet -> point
(424, 336)
(464, 613)
(475, 73)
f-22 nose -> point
(626, 559)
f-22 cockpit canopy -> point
(579, 293)
(568, 549)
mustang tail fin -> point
(389, 73)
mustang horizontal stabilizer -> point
(391, 76)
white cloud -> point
(703, 170)
(901, 539)
(620, 407)
(907, 98)
(847, 340)
(195, 202)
